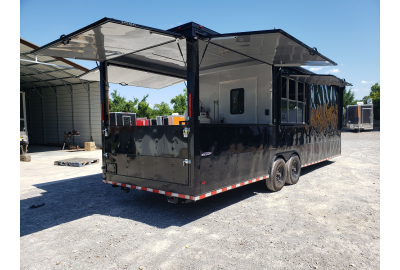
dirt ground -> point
(329, 220)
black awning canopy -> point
(275, 47)
(110, 39)
(214, 58)
(168, 59)
(106, 39)
(320, 79)
(140, 56)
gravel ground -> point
(329, 220)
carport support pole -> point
(72, 108)
(104, 109)
(90, 113)
(57, 113)
(41, 102)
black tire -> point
(277, 175)
(293, 170)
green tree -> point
(117, 103)
(162, 109)
(179, 103)
(131, 106)
(365, 99)
(375, 94)
(144, 109)
(348, 98)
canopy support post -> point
(193, 90)
(276, 97)
(104, 92)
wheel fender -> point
(283, 155)
(286, 155)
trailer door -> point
(238, 101)
(367, 120)
(352, 115)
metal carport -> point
(56, 100)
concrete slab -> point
(41, 169)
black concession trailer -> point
(253, 113)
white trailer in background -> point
(360, 117)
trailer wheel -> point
(293, 169)
(277, 176)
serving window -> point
(292, 101)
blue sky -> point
(348, 32)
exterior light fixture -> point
(123, 84)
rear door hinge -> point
(186, 131)
(186, 161)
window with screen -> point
(237, 101)
(292, 101)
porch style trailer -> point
(253, 113)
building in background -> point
(56, 100)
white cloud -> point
(355, 90)
(315, 68)
(335, 70)
(365, 82)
